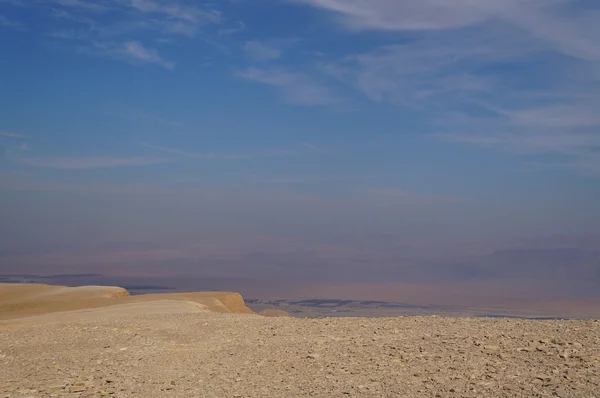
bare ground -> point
(169, 348)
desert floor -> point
(169, 346)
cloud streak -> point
(260, 51)
(92, 27)
(296, 87)
(137, 51)
(131, 51)
(519, 76)
(540, 18)
(10, 134)
(9, 23)
(219, 156)
(87, 163)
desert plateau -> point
(101, 342)
(300, 198)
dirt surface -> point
(177, 348)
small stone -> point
(570, 374)
(492, 347)
(313, 356)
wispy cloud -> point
(85, 163)
(92, 23)
(405, 14)
(132, 51)
(178, 19)
(26, 182)
(576, 36)
(451, 67)
(315, 148)
(137, 115)
(431, 68)
(240, 26)
(297, 87)
(220, 156)
(406, 197)
(12, 146)
(261, 51)
(98, 6)
(9, 23)
(189, 13)
(138, 51)
(11, 134)
(306, 180)
(578, 151)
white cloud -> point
(137, 50)
(191, 14)
(409, 15)
(297, 88)
(571, 29)
(518, 75)
(433, 65)
(85, 23)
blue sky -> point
(432, 120)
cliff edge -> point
(22, 300)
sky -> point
(443, 127)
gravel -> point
(202, 354)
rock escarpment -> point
(20, 300)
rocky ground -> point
(168, 349)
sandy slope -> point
(179, 348)
(18, 300)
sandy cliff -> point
(19, 300)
